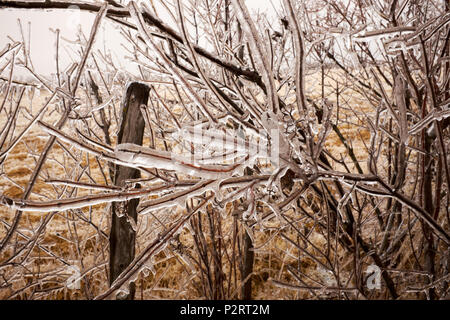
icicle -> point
(150, 266)
(37, 92)
(132, 223)
(187, 261)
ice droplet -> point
(122, 294)
(151, 267)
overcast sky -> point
(43, 39)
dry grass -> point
(168, 276)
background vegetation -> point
(358, 92)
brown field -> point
(170, 276)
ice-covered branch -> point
(76, 203)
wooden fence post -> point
(247, 266)
(122, 236)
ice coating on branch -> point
(178, 198)
(434, 115)
(97, 108)
(234, 195)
